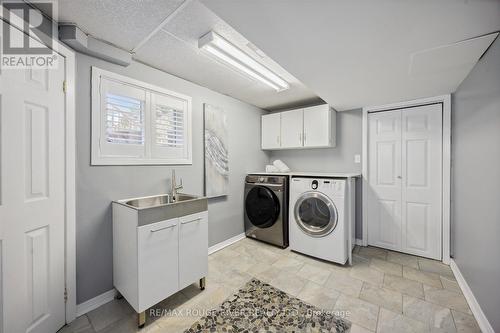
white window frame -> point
(100, 158)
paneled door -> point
(405, 177)
(32, 199)
(384, 206)
(422, 142)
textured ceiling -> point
(362, 52)
(124, 23)
(165, 37)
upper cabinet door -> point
(292, 129)
(319, 126)
(271, 126)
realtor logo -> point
(27, 35)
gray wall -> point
(476, 182)
(338, 159)
(97, 186)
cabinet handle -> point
(195, 220)
(300, 137)
(278, 139)
(160, 229)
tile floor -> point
(383, 291)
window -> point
(137, 123)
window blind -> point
(169, 126)
(124, 120)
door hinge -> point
(65, 86)
(65, 294)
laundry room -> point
(249, 166)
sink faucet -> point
(175, 187)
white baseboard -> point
(227, 242)
(481, 319)
(95, 302)
(359, 242)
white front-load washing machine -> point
(318, 222)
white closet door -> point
(422, 180)
(405, 177)
(384, 206)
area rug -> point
(259, 307)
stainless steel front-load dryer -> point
(266, 208)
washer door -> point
(262, 207)
(315, 214)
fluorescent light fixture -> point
(233, 56)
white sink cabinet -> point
(153, 260)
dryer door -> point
(315, 214)
(262, 206)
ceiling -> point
(164, 34)
(356, 53)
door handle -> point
(399, 177)
(160, 229)
(195, 220)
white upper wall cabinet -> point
(292, 128)
(319, 127)
(271, 126)
(312, 127)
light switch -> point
(357, 158)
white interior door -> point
(384, 156)
(292, 129)
(422, 180)
(405, 178)
(32, 199)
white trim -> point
(481, 319)
(70, 181)
(446, 195)
(446, 179)
(95, 302)
(359, 242)
(364, 177)
(227, 242)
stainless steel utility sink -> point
(159, 200)
(163, 207)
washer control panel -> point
(326, 185)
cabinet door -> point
(158, 260)
(292, 123)
(193, 248)
(270, 131)
(317, 126)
